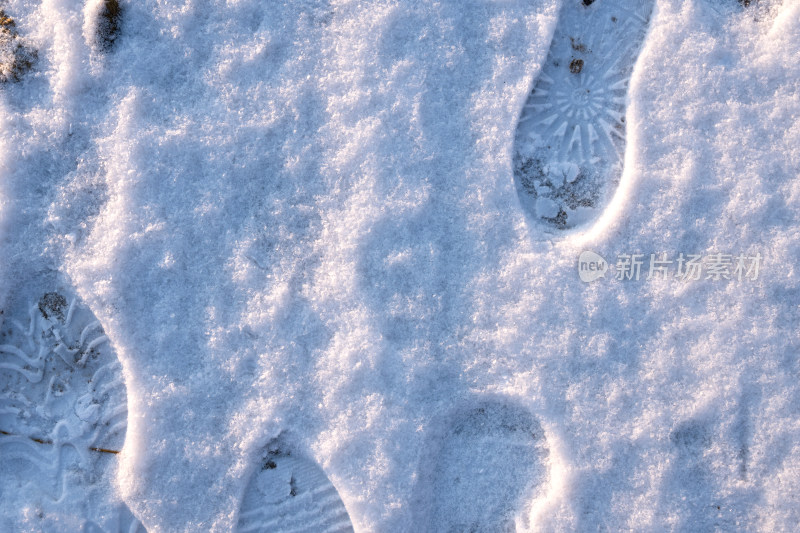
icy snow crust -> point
(301, 217)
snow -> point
(301, 217)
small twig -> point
(103, 450)
(47, 441)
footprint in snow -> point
(290, 493)
(485, 467)
(570, 140)
(63, 416)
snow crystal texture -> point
(302, 216)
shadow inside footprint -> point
(290, 492)
(484, 467)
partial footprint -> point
(63, 414)
(700, 492)
(291, 494)
(570, 141)
(484, 470)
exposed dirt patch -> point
(16, 58)
(53, 304)
(109, 24)
(577, 45)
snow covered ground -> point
(299, 221)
